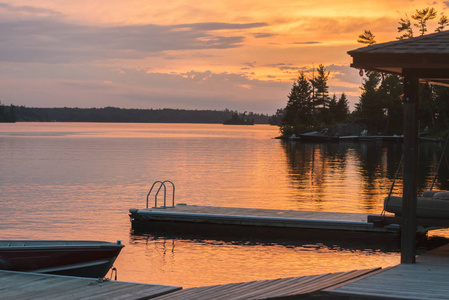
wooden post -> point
(410, 148)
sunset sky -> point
(216, 54)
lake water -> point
(78, 180)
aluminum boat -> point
(73, 258)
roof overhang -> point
(426, 57)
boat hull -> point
(72, 258)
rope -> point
(113, 270)
(392, 185)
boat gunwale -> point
(56, 244)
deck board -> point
(266, 289)
(21, 285)
(238, 211)
(426, 279)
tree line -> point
(115, 114)
(309, 105)
(379, 109)
(7, 113)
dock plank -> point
(21, 285)
(238, 211)
(426, 279)
(267, 289)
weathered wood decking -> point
(259, 221)
(33, 286)
(426, 279)
(268, 289)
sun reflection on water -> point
(78, 180)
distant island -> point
(13, 113)
(239, 119)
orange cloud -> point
(254, 41)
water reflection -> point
(348, 177)
(355, 176)
(189, 258)
(78, 180)
(303, 244)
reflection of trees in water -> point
(311, 166)
(378, 165)
(370, 167)
(429, 156)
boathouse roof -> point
(427, 57)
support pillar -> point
(410, 150)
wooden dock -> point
(265, 222)
(426, 279)
(34, 286)
(291, 288)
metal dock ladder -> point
(162, 184)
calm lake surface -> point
(78, 180)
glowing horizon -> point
(241, 55)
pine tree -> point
(342, 108)
(12, 113)
(422, 16)
(321, 88)
(367, 38)
(333, 110)
(391, 91)
(406, 27)
(370, 108)
(298, 112)
(442, 23)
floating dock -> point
(259, 222)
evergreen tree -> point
(442, 106)
(427, 104)
(367, 38)
(391, 91)
(2, 113)
(370, 109)
(321, 88)
(333, 110)
(12, 114)
(339, 109)
(298, 112)
(442, 23)
(276, 119)
(342, 109)
(7, 114)
(406, 27)
(422, 16)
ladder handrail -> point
(173, 195)
(148, 195)
(162, 184)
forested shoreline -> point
(114, 114)
(379, 111)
